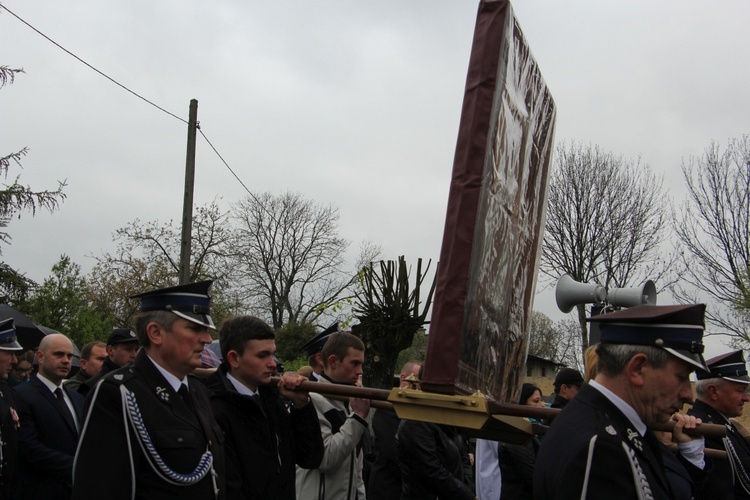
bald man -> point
(50, 420)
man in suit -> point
(148, 427)
(49, 421)
(8, 411)
(600, 445)
(722, 393)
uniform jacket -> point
(46, 442)
(722, 483)
(263, 445)
(591, 438)
(8, 440)
(103, 467)
(432, 460)
(340, 473)
(88, 384)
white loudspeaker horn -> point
(569, 293)
(629, 297)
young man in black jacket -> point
(263, 439)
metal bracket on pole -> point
(470, 413)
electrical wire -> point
(130, 91)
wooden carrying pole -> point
(381, 397)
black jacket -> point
(180, 436)
(592, 440)
(262, 450)
(723, 483)
(517, 469)
(8, 440)
(88, 384)
(432, 460)
(385, 474)
(47, 441)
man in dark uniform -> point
(122, 347)
(148, 427)
(314, 346)
(567, 384)
(8, 416)
(600, 445)
(722, 393)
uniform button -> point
(180, 440)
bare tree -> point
(606, 223)
(714, 227)
(290, 256)
(147, 257)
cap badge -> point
(162, 393)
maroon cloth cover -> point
(495, 217)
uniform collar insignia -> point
(162, 393)
(117, 376)
(635, 438)
(610, 430)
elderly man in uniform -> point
(8, 416)
(600, 445)
(722, 393)
(148, 427)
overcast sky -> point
(353, 103)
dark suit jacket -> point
(103, 467)
(47, 442)
(722, 483)
(592, 436)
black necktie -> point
(64, 406)
(185, 395)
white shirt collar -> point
(47, 382)
(173, 381)
(621, 405)
(240, 387)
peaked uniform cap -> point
(190, 301)
(120, 336)
(677, 329)
(729, 366)
(8, 339)
(315, 344)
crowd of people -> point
(136, 422)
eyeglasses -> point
(23, 370)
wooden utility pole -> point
(187, 207)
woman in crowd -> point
(517, 460)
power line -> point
(131, 91)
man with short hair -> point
(342, 426)
(149, 430)
(722, 394)
(122, 347)
(93, 355)
(600, 445)
(50, 417)
(385, 475)
(567, 384)
(263, 440)
(8, 411)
